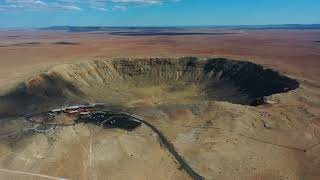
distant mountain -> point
(276, 26)
(104, 28)
(100, 28)
(280, 26)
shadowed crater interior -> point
(139, 82)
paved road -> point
(167, 144)
(183, 163)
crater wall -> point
(125, 82)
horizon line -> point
(288, 25)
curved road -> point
(168, 145)
(183, 163)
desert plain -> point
(220, 138)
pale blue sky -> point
(43, 13)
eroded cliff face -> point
(127, 82)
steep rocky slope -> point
(130, 82)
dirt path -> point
(31, 174)
(36, 128)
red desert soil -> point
(292, 51)
(219, 139)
